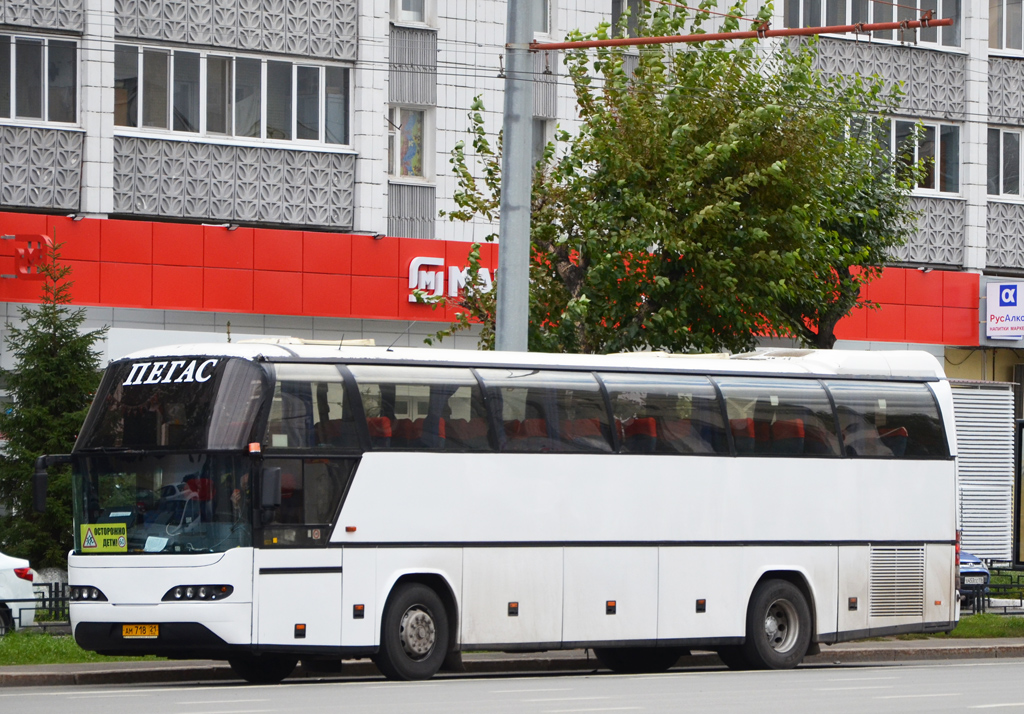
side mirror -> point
(40, 484)
(270, 487)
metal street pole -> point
(513, 279)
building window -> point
(1006, 25)
(407, 150)
(244, 97)
(411, 10)
(38, 79)
(541, 138)
(937, 145)
(817, 13)
(541, 17)
(619, 8)
(1004, 165)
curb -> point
(487, 664)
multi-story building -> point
(280, 164)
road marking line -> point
(603, 709)
(858, 679)
(920, 696)
(233, 701)
(850, 689)
(997, 706)
(565, 699)
(528, 691)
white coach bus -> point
(266, 503)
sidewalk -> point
(495, 662)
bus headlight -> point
(196, 593)
(87, 593)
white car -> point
(17, 600)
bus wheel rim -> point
(781, 626)
(417, 632)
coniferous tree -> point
(55, 373)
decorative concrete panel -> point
(1005, 239)
(40, 168)
(178, 179)
(66, 15)
(940, 236)
(1006, 90)
(412, 75)
(309, 28)
(934, 82)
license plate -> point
(975, 580)
(140, 632)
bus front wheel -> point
(778, 626)
(414, 634)
(263, 669)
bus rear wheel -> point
(778, 626)
(638, 660)
(414, 634)
(263, 669)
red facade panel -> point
(374, 297)
(923, 288)
(178, 287)
(277, 293)
(961, 290)
(854, 326)
(126, 285)
(890, 287)
(126, 242)
(11, 223)
(227, 290)
(960, 326)
(85, 278)
(327, 295)
(924, 324)
(177, 244)
(227, 249)
(277, 250)
(888, 323)
(81, 239)
(327, 253)
(378, 257)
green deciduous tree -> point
(713, 193)
(55, 373)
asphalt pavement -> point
(151, 672)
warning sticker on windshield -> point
(104, 538)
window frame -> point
(231, 103)
(45, 88)
(1002, 194)
(398, 16)
(825, 10)
(1000, 22)
(938, 127)
(392, 140)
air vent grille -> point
(897, 582)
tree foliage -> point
(55, 373)
(713, 193)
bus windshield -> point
(162, 503)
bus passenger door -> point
(297, 577)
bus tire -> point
(263, 669)
(6, 619)
(638, 660)
(414, 634)
(732, 657)
(778, 626)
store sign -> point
(31, 253)
(427, 274)
(1005, 311)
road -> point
(958, 686)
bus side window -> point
(548, 410)
(889, 420)
(779, 417)
(311, 491)
(422, 408)
(666, 413)
(309, 409)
